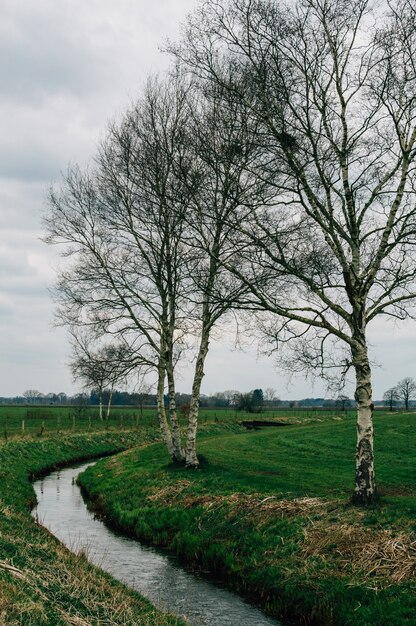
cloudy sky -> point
(66, 68)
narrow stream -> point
(156, 576)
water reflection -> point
(159, 578)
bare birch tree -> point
(391, 396)
(156, 209)
(123, 231)
(332, 84)
(221, 150)
(100, 367)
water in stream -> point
(157, 577)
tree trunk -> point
(365, 487)
(109, 404)
(101, 405)
(178, 454)
(163, 422)
(191, 458)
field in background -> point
(16, 420)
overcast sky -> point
(66, 68)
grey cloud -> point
(19, 209)
(31, 166)
(37, 143)
(13, 266)
(44, 49)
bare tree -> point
(123, 229)
(337, 113)
(406, 390)
(151, 231)
(343, 402)
(270, 395)
(62, 397)
(390, 397)
(221, 148)
(32, 395)
(145, 206)
(100, 367)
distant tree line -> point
(402, 394)
(221, 399)
(252, 401)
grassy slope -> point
(41, 582)
(269, 511)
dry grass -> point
(378, 555)
(94, 597)
(167, 495)
(261, 509)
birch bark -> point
(109, 403)
(161, 412)
(191, 458)
(178, 454)
(101, 406)
(365, 486)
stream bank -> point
(157, 577)
(42, 582)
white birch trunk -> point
(163, 422)
(191, 458)
(178, 453)
(109, 404)
(101, 406)
(365, 486)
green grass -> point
(32, 420)
(41, 582)
(316, 560)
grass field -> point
(269, 512)
(41, 582)
(32, 420)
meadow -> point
(269, 513)
(37, 420)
